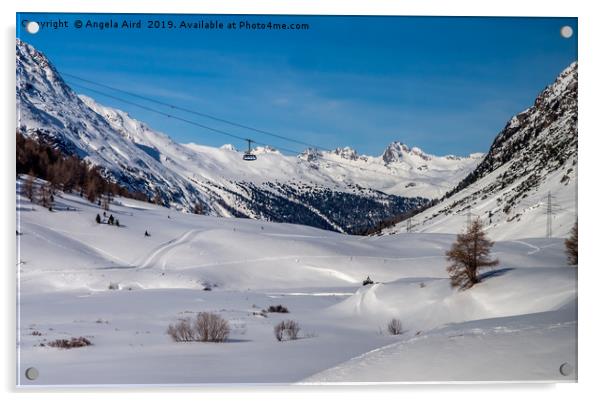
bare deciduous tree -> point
(28, 188)
(468, 255)
(571, 246)
(46, 195)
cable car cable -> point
(223, 120)
(218, 131)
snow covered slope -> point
(530, 347)
(121, 290)
(313, 188)
(533, 156)
(49, 110)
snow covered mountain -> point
(533, 156)
(336, 190)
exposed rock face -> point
(534, 154)
(394, 152)
(537, 141)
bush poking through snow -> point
(394, 327)
(287, 330)
(113, 286)
(277, 309)
(182, 331)
(571, 246)
(207, 327)
(212, 327)
(70, 343)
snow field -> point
(67, 263)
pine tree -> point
(468, 255)
(571, 246)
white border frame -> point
(589, 103)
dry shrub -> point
(287, 330)
(277, 309)
(212, 327)
(70, 343)
(394, 327)
(182, 331)
(207, 327)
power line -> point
(468, 215)
(160, 112)
(551, 209)
(549, 216)
(218, 131)
(198, 113)
(229, 134)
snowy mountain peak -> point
(265, 149)
(346, 153)
(418, 152)
(228, 146)
(37, 59)
(310, 155)
(398, 152)
(395, 152)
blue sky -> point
(447, 85)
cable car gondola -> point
(248, 156)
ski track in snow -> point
(534, 248)
(165, 248)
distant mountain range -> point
(335, 190)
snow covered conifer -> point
(468, 255)
(571, 246)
